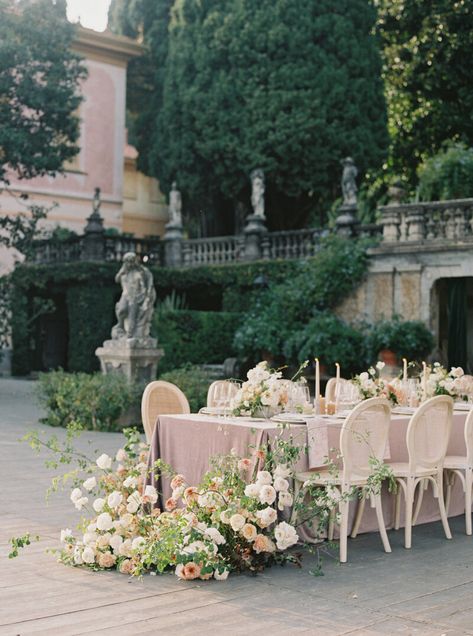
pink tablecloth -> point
(187, 442)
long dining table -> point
(188, 442)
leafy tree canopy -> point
(290, 86)
(39, 80)
(428, 48)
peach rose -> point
(244, 464)
(106, 560)
(177, 481)
(190, 494)
(170, 504)
(249, 532)
(127, 566)
(260, 454)
(263, 544)
(191, 571)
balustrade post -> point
(415, 224)
(93, 240)
(391, 221)
(173, 242)
(254, 232)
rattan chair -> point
(161, 398)
(214, 388)
(462, 467)
(331, 388)
(427, 438)
(363, 437)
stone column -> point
(254, 232)
(390, 220)
(415, 224)
(347, 222)
(93, 241)
(173, 239)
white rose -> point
(285, 535)
(264, 478)
(115, 542)
(282, 470)
(364, 376)
(65, 534)
(285, 499)
(92, 527)
(130, 482)
(80, 503)
(151, 494)
(224, 517)
(104, 462)
(457, 372)
(252, 490)
(88, 555)
(281, 484)
(138, 543)
(114, 499)
(214, 535)
(104, 521)
(98, 504)
(267, 495)
(89, 537)
(90, 483)
(380, 365)
(121, 455)
(221, 576)
(78, 555)
(176, 493)
(134, 501)
(76, 494)
(267, 515)
(126, 520)
(237, 522)
(195, 546)
(125, 548)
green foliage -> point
(40, 77)
(17, 543)
(285, 308)
(447, 175)
(198, 337)
(331, 340)
(284, 85)
(96, 401)
(193, 382)
(428, 47)
(409, 339)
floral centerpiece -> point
(231, 521)
(439, 381)
(370, 384)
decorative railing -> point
(291, 244)
(46, 251)
(148, 250)
(212, 251)
(438, 222)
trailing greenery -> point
(193, 381)
(95, 401)
(284, 85)
(197, 337)
(40, 75)
(285, 309)
(448, 174)
(408, 339)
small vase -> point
(388, 357)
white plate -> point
(403, 410)
(289, 418)
(462, 406)
(215, 410)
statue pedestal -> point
(254, 231)
(173, 244)
(135, 358)
(347, 222)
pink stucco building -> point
(131, 202)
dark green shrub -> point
(94, 400)
(448, 174)
(193, 382)
(331, 340)
(196, 337)
(408, 339)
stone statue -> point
(134, 310)
(97, 202)
(349, 188)
(257, 192)
(175, 205)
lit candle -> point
(424, 380)
(337, 382)
(317, 380)
(404, 374)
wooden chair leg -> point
(450, 481)
(468, 499)
(381, 526)
(423, 485)
(344, 509)
(410, 487)
(359, 514)
(443, 512)
(397, 509)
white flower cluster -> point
(264, 388)
(454, 382)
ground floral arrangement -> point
(237, 519)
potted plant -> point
(390, 340)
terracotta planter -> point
(388, 357)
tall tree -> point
(39, 82)
(428, 48)
(291, 86)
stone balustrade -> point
(438, 222)
(212, 251)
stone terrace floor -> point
(427, 590)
